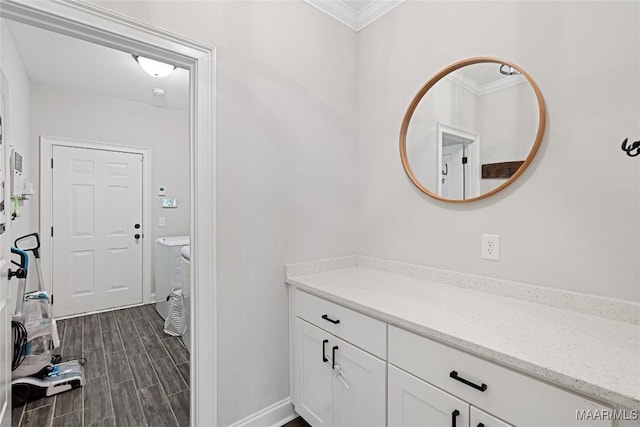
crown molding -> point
(502, 84)
(477, 89)
(464, 82)
(356, 20)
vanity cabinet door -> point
(482, 419)
(414, 403)
(359, 387)
(313, 374)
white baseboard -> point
(275, 415)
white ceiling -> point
(55, 59)
(483, 73)
(483, 78)
(356, 14)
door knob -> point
(20, 273)
(136, 226)
(136, 236)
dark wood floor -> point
(136, 375)
(298, 422)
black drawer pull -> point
(333, 356)
(335, 322)
(324, 357)
(454, 375)
(480, 425)
(454, 415)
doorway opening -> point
(95, 25)
(458, 163)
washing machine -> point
(185, 261)
(168, 269)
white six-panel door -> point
(97, 249)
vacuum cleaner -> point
(35, 371)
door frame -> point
(46, 203)
(101, 26)
(473, 151)
(6, 308)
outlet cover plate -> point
(490, 247)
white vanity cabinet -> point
(514, 397)
(350, 369)
(337, 383)
(413, 402)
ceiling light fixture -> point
(153, 67)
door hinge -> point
(52, 163)
(51, 231)
(51, 299)
(464, 160)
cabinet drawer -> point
(517, 398)
(358, 329)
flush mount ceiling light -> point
(153, 67)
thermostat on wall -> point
(169, 203)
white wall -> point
(69, 113)
(286, 102)
(17, 130)
(508, 126)
(285, 170)
(571, 220)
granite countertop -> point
(593, 355)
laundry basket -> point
(174, 324)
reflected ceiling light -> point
(153, 67)
(508, 70)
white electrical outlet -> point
(490, 247)
(162, 221)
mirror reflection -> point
(472, 130)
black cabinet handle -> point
(335, 322)
(333, 356)
(454, 375)
(454, 415)
(324, 357)
(480, 425)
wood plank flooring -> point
(135, 375)
(298, 422)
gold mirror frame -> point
(428, 85)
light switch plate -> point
(162, 221)
(161, 191)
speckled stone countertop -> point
(596, 356)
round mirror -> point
(472, 129)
